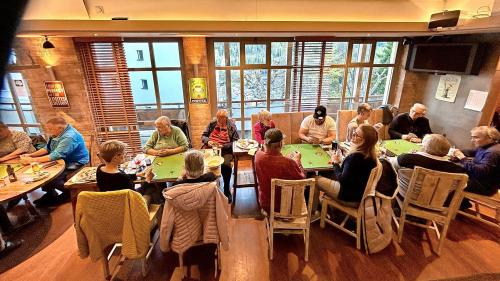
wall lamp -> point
(47, 44)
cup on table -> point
(36, 167)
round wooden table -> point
(19, 189)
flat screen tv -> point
(453, 58)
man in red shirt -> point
(271, 164)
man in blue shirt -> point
(65, 143)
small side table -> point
(238, 155)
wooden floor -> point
(471, 248)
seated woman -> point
(166, 139)
(352, 176)
(194, 165)
(109, 176)
(265, 123)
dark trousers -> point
(226, 172)
(474, 186)
(5, 224)
(58, 182)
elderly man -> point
(13, 143)
(412, 126)
(221, 133)
(318, 128)
(483, 163)
(65, 143)
(364, 112)
(270, 164)
(166, 139)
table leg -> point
(31, 209)
(235, 181)
(255, 185)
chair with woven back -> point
(350, 211)
(294, 216)
(428, 197)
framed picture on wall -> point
(56, 94)
(198, 90)
(448, 87)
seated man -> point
(364, 112)
(412, 126)
(166, 139)
(13, 143)
(265, 123)
(65, 143)
(194, 166)
(483, 163)
(317, 128)
(435, 147)
(270, 164)
(109, 177)
(221, 133)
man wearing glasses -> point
(412, 126)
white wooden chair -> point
(425, 198)
(488, 202)
(355, 213)
(294, 216)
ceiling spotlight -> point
(47, 44)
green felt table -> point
(168, 168)
(3, 169)
(314, 158)
(398, 147)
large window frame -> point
(294, 70)
(148, 125)
(17, 105)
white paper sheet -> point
(476, 100)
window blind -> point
(109, 92)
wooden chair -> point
(425, 198)
(355, 213)
(489, 202)
(293, 217)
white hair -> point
(194, 163)
(163, 120)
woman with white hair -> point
(260, 128)
(482, 163)
(194, 166)
(166, 139)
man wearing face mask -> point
(412, 126)
(166, 140)
(65, 143)
(318, 128)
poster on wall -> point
(476, 100)
(448, 87)
(198, 90)
(56, 93)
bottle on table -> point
(11, 173)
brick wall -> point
(66, 67)
(195, 52)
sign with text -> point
(56, 93)
(198, 90)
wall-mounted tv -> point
(455, 58)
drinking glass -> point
(36, 167)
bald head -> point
(417, 110)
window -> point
(16, 109)
(250, 76)
(156, 82)
(281, 76)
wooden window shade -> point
(109, 91)
(308, 75)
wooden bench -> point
(288, 123)
(490, 202)
(345, 116)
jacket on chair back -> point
(193, 212)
